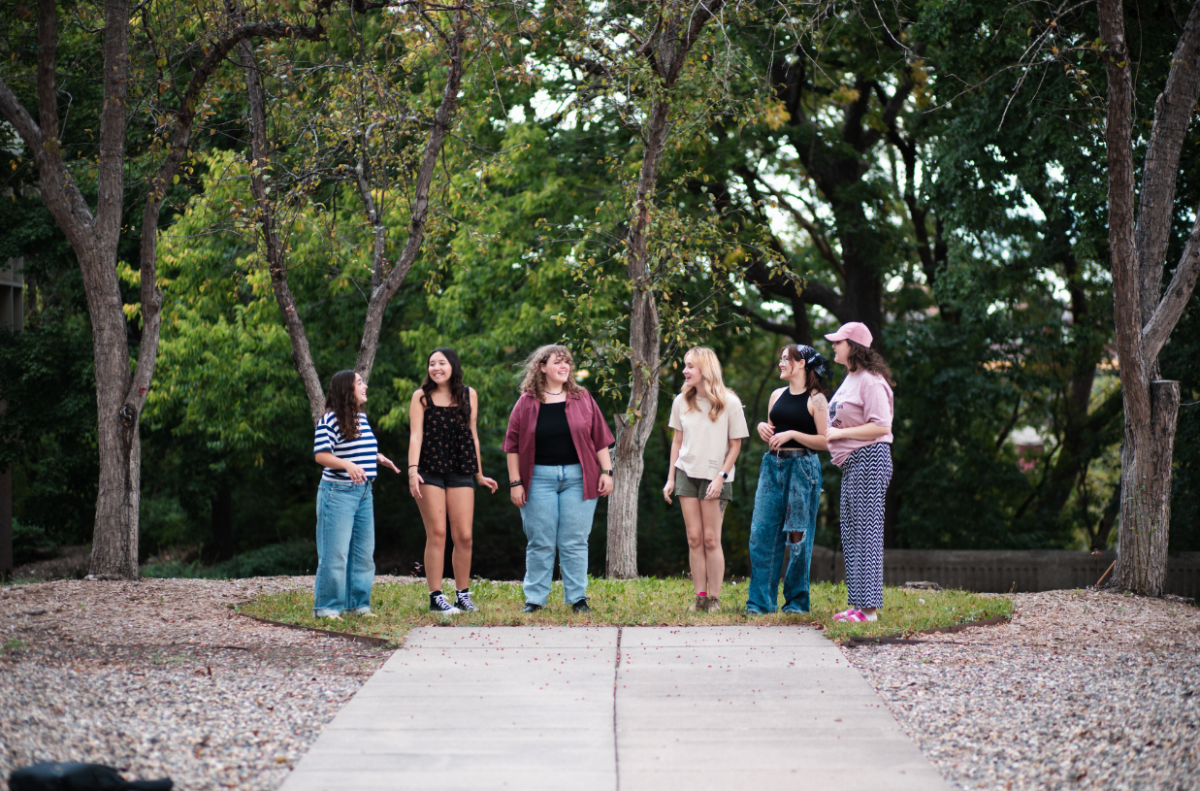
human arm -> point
(479, 476)
(515, 493)
(676, 444)
(416, 418)
(766, 429)
(386, 462)
(866, 431)
(718, 483)
(327, 459)
(604, 458)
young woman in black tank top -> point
(443, 467)
(789, 484)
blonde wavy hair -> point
(533, 381)
(705, 359)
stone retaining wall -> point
(1001, 571)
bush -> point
(294, 558)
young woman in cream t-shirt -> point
(709, 425)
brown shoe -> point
(699, 605)
(713, 604)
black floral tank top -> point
(447, 445)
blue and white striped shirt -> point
(361, 451)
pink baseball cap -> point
(853, 331)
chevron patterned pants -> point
(865, 476)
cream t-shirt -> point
(706, 441)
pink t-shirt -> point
(863, 397)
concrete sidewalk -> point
(605, 708)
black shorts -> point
(447, 480)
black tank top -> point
(790, 413)
(552, 444)
(448, 446)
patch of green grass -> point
(12, 645)
(640, 602)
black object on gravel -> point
(53, 776)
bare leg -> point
(694, 524)
(433, 514)
(460, 501)
(712, 514)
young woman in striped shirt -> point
(345, 446)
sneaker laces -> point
(464, 600)
(439, 601)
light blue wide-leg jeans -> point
(788, 495)
(556, 517)
(345, 548)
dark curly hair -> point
(459, 392)
(862, 358)
(343, 404)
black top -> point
(447, 445)
(552, 443)
(790, 413)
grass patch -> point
(640, 602)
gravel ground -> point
(159, 678)
(1083, 690)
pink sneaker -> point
(849, 615)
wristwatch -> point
(606, 472)
(724, 475)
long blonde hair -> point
(705, 360)
(533, 381)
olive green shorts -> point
(687, 486)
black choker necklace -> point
(547, 392)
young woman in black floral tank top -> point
(443, 468)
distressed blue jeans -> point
(556, 516)
(789, 492)
(345, 548)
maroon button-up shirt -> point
(589, 432)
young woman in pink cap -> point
(860, 437)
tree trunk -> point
(223, 544)
(385, 288)
(634, 427)
(261, 153)
(1146, 495)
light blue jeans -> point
(556, 516)
(345, 548)
(789, 492)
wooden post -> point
(12, 317)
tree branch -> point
(1183, 283)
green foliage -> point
(48, 427)
(294, 558)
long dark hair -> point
(459, 392)
(343, 404)
(812, 382)
(862, 358)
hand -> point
(606, 485)
(766, 431)
(714, 488)
(357, 474)
(782, 438)
(386, 462)
(669, 489)
(414, 483)
(486, 481)
(834, 433)
(517, 495)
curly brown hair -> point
(533, 381)
(862, 358)
(342, 402)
